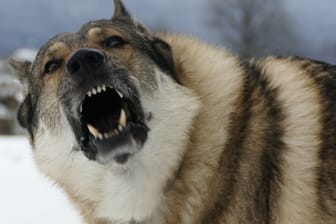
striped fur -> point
(266, 157)
(229, 142)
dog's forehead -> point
(75, 39)
(88, 35)
(56, 43)
(122, 27)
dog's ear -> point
(165, 56)
(120, 11)
(24, 114)
(22, 69)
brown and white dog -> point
(146, 128)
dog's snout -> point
(85, 60)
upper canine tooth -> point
(122, 119)
(93, 130)
(120, 94)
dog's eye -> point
(51, 66)
(114, 42)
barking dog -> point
(146, 128)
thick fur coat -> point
(226, 141)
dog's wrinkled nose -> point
(85, 60)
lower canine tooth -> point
(120, 128)
(122, 119)
(93, 130)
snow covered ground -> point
(27, 197)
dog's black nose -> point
(85, 60)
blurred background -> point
(249, 28)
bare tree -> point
(253, 27)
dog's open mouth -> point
(113, 125)
(103, 113)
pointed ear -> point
(120, 11)
(24, 114)
(142, 30)
(22, 69)
(165, 57)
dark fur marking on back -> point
(270, 158)
(325, 78)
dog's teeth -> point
(106, 135)
(122, 119)
(99, 89)
(81, 108)
(93, 130)
(89, 93)
(120, 128)
(94, 91)
(120, 94)
(100, 136)
(103, 88)
(110, 134)
(115, 132)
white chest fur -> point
(133, 191)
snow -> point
(26, 196)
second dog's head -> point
(91, 80)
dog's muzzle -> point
(111, 117)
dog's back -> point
(263, 148)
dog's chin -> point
(117, 149)
(112, 126)
(123, 149)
